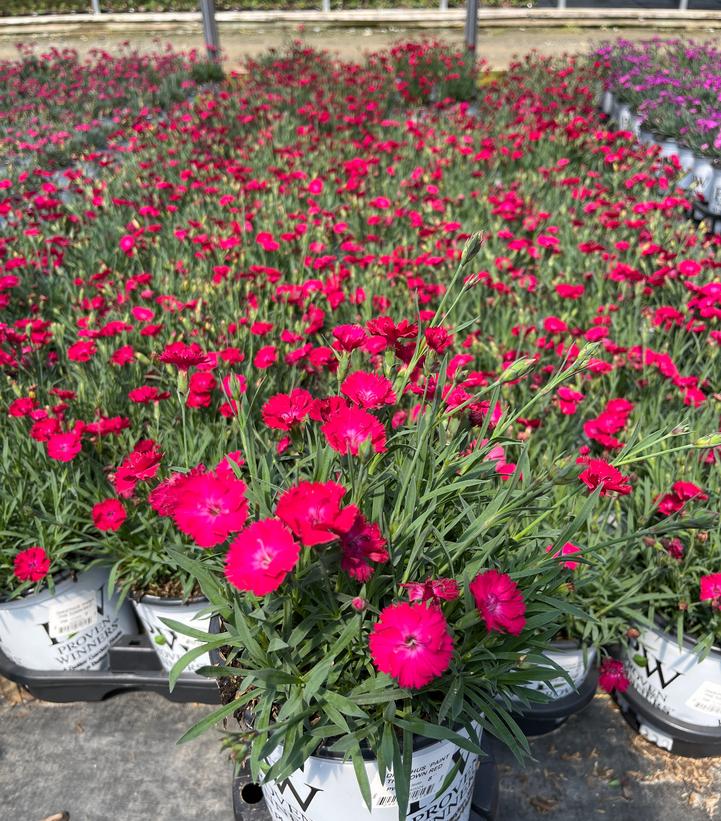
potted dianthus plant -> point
(156, 508)
(611, 597)
(667, 678)
(391, 596)
(58, 609)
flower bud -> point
(517, 369)
(365, 450)
(343, 365)
(235, 383)
(359, 604)
(633, 633)
(389, 364)
(712, 440)
(587, 352)
(472, 247)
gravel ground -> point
(117, 761)
(497, 46)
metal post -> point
(210, 29)
(471, 25)
(443, 5)
(326, 6)
(683, 5)
(561, 4)
(96, 6)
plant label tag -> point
(427, 777)
(71, 615)
(707, 698)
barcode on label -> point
(416, 795)
(707, 699)
(72, 615)
(389, 800)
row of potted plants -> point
(262, 358)
(60, 608)
(700, 176)
(35, 7)
(667, 92)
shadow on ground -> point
(118, 760)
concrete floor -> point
(497, 46)
(117, 761)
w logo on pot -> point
(657, 669)
(303, 803)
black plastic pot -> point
(134, 665)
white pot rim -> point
(568, 646)
(419, 743)
(660, 628)
(61, 580)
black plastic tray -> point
(540, 719)
(248, 804)
(689, 740)
(134, 665)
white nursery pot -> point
(669, 148)
(701, 172)
(577, 664)
(713, 192)
(167, 643)
(607, 102)
(564, 698)
(674, 681)
(326, 789)
(624, 117)
(70, 629)
(687, 160)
